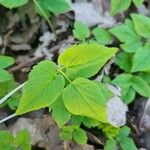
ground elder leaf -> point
(90, 123)
(5, 87)
(131, 46)
(67, 132)
(43, 88)
(23, 140)
(109, 130)
(13, 3)
(81, 31)
(5, 76)
(141, 86)
(6, 61)
(41, 8)
(6, 137)
(60, 113)
(76, 120)
(145, 76)
(118, 6)
(102, 36)
(141, 60)
(57, 6)
(141, 25)
(128, 94)
(80, 136)
(124, 61)
(79, 99)
(85, 60)
(138, 2)
(123, 132)
(127, 34)
(110, 144)
(123, 80)
(126, 143)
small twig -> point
(95, 139)
(66, 146)
(11, 93)
(26, 64)
(7, 38)
(7, 118)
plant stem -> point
(7, 118)
(11, 93)
(59, 70)
(45, 16)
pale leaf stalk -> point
(7, 118)
(11, 93)
(59, 70)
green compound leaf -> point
(138, 2)
(124, 61)
(85, 60)
(23, 140)
(5, 61)
(90, 123)
(124, 132)
(75, 133)
(106, 92)
(41, 8)
(6, 140)
(145, 76)
(102, 36)
(128, 94)
(81, 31)
(109, 130)
(137, 83)
(126, 143)
(13, 101)
(5, 76)
(42, 89)
(131, 46)
(60, 113)
(124, 140)
(141, 60)
(5, 87)
(67, 132)
(141, 86)
(123, 80)
(118, 6)
(6, 137)
(110, 144)
(76, 120)
(79, 99)
(13, 3)
(57, 6)
(52, 6)
(80, 136)
(142, 25)
(127, 34)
